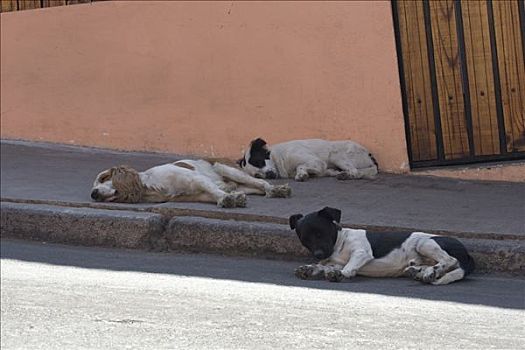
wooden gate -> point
(462, 74)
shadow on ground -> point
(489, 290)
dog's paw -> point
(429, 275)
(334, 276)
(413, 271)
(304, 272)
(279, 191)
(240, 199)
(227, 201)
(346, 175)
(300, 177)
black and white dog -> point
(300, 159)
(346, 252)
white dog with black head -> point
(345, 253)
(300, 159)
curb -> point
(152, 231)
(82, 226)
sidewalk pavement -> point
(45, 194)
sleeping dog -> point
(182, 181)
(300, 159)
(346, 252)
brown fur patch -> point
(127, 183)
(184, 165)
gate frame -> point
(471, 158)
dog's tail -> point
(374, 160)
(468, 266)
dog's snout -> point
(270, 174)
(319, 254)
(94, 194)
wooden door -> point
(462, 71)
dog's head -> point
(317, 231)
(256, 161)
(117, 184)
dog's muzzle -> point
(95, 195)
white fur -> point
(300, 159)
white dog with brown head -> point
(182, 181)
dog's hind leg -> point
(208, 189)
(445, 263)
(251, 185)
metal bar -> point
(521, 10)
(497, 82)
(433, 79)
(402, 81)
(464, 75)
(473, 160)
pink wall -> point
(203, 77)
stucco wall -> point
(203, 78)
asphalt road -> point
(59, 297)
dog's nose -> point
(94, 194)
(319, 254)
(271, 174)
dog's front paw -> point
(304, 272)
(334, 276)
(227, 201)
(279, 191)
(301, 177)
(240, 199)
(346, 175)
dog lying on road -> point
(345, 252)
(300, 159)
(182, 181)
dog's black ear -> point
(258, 143)
(293, 220)
(331, 214)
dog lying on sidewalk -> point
(345, 252)
(182, 181)
(300, 159)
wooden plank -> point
(8, 5)
(512, 72)
(28, 4)
(417, 80)
(481, 79)
(449, 81)
(53, 3)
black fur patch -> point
(316, 232)
(455, 248)
(258, 153)
(383, 243)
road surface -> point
(60, 297)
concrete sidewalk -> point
(45, 186)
